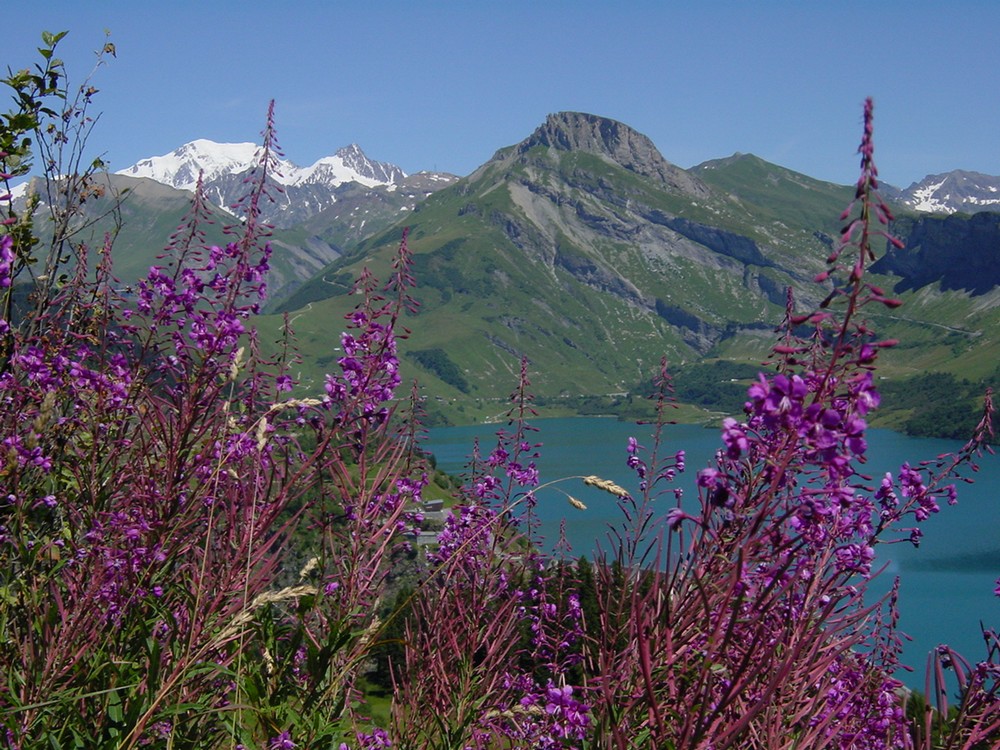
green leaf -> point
(115, 712)
(154, 650)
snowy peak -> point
(968, 192)
(305, 190)
(180, 168)
(381, 172)
(349, 164)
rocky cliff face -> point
(960, 252)
(569, 210)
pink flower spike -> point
(894, 241)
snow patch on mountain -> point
(923, 198)
(970, 192)
(19, 191)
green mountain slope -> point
(582, 249)
(142, 214)
(776, 193)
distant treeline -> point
(932, 404)
(438, 362)
(935, 404)
(940, 404)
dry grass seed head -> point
(605, 484)
(576, 503)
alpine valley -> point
(582, 249)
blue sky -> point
(442, 85)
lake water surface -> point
(946, 586)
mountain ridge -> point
(953, 192)
(303, 191)
(582, 249)
(180, 167)
(314, 188)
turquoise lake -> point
(946, 586)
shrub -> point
(154, 467)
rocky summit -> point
(614, 141)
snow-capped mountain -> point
(351, 161)
(181, 167)
(305, 190)
(969, 192)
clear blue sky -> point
(442, 85)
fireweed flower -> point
(886, 494)
(544, 717)
(855, 558)
(468, 531)
(779, 401)
(526, 476)
(675, 517)
(6, 260)
(568, 716)
(369, 371)
(633, 461)
(708, 478)
(377, 739)
(734, 437)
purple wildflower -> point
(377, 739)
(735, 438)
(675, 517)
(6, 259)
